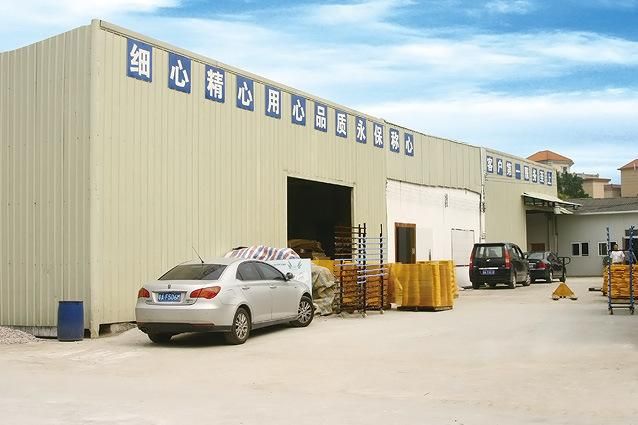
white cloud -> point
(513, 7)
(363, 12)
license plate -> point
(169, 297)
(488, 272)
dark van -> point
(501, 262)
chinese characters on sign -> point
(321, 117)
(139, 60)
(517, 171)
(549, 178)
(298, 109)
(361, 134)
(499, 166)
(489, 164)
(541, 176)
(215, 84)
(526, 172)
(179, 73)
(378, 135)
(409, 144)
(273, 102)
(534, 175)
(395, 145)
(508, 169)
(245, 97)
(341, 127)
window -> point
(194, 272)
(493, 251)
(602, 248)
(580, 249)
(268, 272)
(248, 271)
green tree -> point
(570, 186)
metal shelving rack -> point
(613, 303)
(360, 269)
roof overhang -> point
(543, 200)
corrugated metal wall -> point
(442, 163)
(505, 216)
(178, 171)
(44, 157)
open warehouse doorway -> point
(314, 210)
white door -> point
(258, 292)
(285, 294)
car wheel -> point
(240, 329)
(528, 280)
(550, 276)
(160, 338)
(476, 285)
(305, 313)
(512, 283)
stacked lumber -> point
(619, 281)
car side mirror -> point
(290, 276)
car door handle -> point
(245, 287)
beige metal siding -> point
(505, 213)
(44, 178)
(436, 162)
(174, 170)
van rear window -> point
(495, 251)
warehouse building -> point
(121, 153)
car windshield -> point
(195, 272)
(495, 251)
(536, 255)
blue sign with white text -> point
(298, 109)
(395, 144)
(489, 164)
(526, 172)
(361, 130)
(273, 102)
(139, 60)
(517, 171)
(321, 117)
(378, 135)
(245, 93)
(550, 178)
(409, 144)
(508, 169)
(499, 166)
(215, 84)
(179, 73)
(341, 124)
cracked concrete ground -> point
(500, 357)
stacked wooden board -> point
(619, 281)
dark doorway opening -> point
(405, 239)
(315, 209)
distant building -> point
(558, 162)
(594, 185)
(613, 191)
(629, 179)
(583, 234)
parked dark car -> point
(544, 265)
(500, 262)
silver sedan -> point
(228, 295)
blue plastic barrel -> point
(70, 321)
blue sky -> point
(517, 75)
